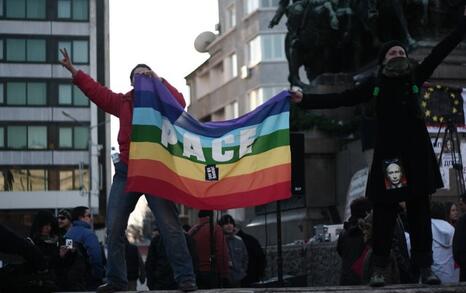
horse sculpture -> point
(336, 35)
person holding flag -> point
(122, 203)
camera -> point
(69, 243)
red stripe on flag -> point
(169, 191)
(205, 189)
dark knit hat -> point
(65, 213)
(387, 46)
(226, 219)
(205, 213)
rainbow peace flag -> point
(214, 165)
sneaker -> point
(108, 288)
(428, 277)
(187, 286)
(377, 278)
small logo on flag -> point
(211, 173)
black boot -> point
(377, 277)
(428, 277)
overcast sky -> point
(161, 34)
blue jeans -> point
(120, 205)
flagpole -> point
(279, 246)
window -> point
(71, 95)
(25, 179)
(73, 9)
(260, 95)
(269, 3)
(79, 99)
(231, 111)
(64, 9)
(266, 48)
(80, 9)
(273, 47)
(36, 93)
(35, 50)
(15, 50)
(1, 8)
(26, 93)
(29, 179)
(231, 67)
(16, 93)
(254, 51)
(25, 9)
(77, 49)
(17, 137)
(35, 9)
(74, 179)
(37, 180)
(250, 6)
(25, 50)
(65, 96)
(15, 8)
(73, 137)
(81, 137)
(27, 137)
(2, 137)
(37, 137)
(66, 180)
(230, 17)
(65, 137)
(1, 46)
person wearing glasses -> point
(82, 235)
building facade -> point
(53, 141)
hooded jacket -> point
(442, 244)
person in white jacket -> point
(442, 245)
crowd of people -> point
(355, 245)
(65, 251)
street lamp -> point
(90, 151)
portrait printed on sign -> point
(394, 174)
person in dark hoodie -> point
(44, 234)
(351, 245)
(402, 137)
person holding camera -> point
(81, 233)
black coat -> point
(401, 131)
(158, 269)
(256, 259)
(350, 247)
